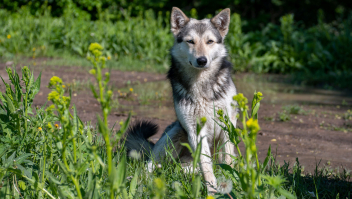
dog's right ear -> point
(178, 20)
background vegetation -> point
(306, 39)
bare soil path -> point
(319, 132)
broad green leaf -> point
(22, 185)
(196, 184)
(118, 175)
(21, 158)
(9, 160)
(133, 184)
(27, 172)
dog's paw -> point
(150, 167)
(211, 190)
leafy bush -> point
(318, 55)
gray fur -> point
(198, 91)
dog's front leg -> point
(206, 164)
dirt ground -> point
(319, 132)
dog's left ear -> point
(222, 21)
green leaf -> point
(3, 150)
(133, 184)
(196, 184)
(102, 128)
(22, 185)
(27, 172)
(255, 111)
(188, 147)
(21, 158)
(15, 171)
(36, 86)
(75, 121)
(10, 105)
(93, 91)
(226, 167)
(52, 178)
(266, 161)
(82, 168)
(124, 125)
(10, 159)
(287, 194)
(196, 155)
(118, 174)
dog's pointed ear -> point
(178, 20)
(222, 21)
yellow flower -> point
(49, 126)
(253, 125)
(55, 80)
(95, 46)
(40, 128)
(109, 57)
(50, 108)
(109, 93)
(33, 49)
(210, 197)
(131, 89)
(9, 36)
(53, 95)
(63, 86)
(241, 100)
(56, 126)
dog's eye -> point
(190, 41)
(210, 42)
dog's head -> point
(199, 42)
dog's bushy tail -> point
(137, 138)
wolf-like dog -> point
(200, 77)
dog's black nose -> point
(202, 61)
